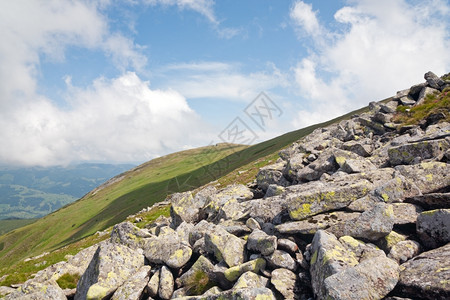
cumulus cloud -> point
(376, 48)
(121, 119)
(222, 80)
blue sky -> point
(130, 80)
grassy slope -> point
(141, 187)
(9, 225)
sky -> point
(130, 80)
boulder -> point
(247, 293)
(33, 289)
(261, 242)
(389, 241)
(431, 201)
(184, 208)
(317, 197)
(132, 289)
(153, 284)
(405, 213)
(250, 279)
(428, 177)
(129, 235)
(404, 250)
(370, 225)
(168, 248)
(286, 282)
(287, 245)
(225, 246)
(166, 283)
(426, 276)
(357, 166)
(271, 174)
(233, 273)
(412, 153)
(281, 259)
(111, 265)
(197, 279)
(433, 227)
(433, 80)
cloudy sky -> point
(130, 80)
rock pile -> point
(356, 210)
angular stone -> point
(411, 153)
(32, 289)
(271, 174)
(286, 282)
(129, 235)
(389, 241)
(370, 225)
(404, 250)
(316, 197)
(254, 266)
(132, 289)
(110, 267)
(231, 194)
(433, 80)
(406, 213)
(281, 259)
(274, 190)
(312, 224)
(261, 242)
(166, 283)
(169, 249)
(184, 208)
(357, 166)
(414, 91)
(225, 246)
(198, 278)
(287, 245)
(371, 279)
(252, 224)
(433, 227)
(426, 276)
(428, 177)
(407, 101)
(250, 279)
(377, 128)
(153, 285)
(247, 293)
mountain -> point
(33, 192)
(356, 209)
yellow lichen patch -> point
(442, 269)
(340, 160)
(302, 212)
(263, 297)
(385, 197)
(389, 211)
(430, 212)
(352, 242)
(314, 258)
(393, 238)
(429, 177)
(96, 292)
(340, 254)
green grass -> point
(143, 186)
(68, 281)
(9, 225)
(434, 103)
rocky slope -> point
(357, 210)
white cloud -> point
(306, 18)
(380, 47)
(113, 120)
(204, 7)
(221, 80)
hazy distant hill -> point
(36, 191)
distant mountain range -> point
(34, 192)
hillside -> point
(33, 192)
(353, 210)
(128, 193)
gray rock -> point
(250, 279)
(271, 174)
(225, 246)
(197, 279)
(428, 177)
(316, 197)
(404, 251)
(312, 224)
(167, 248)
(412, 153)
(153, 285)
(426, 276)
(129, 235)
(287, 245)
(184, 208)
(247, 293)
(371, 279)
(407, 101)
(358, 147)
(252, 224)
(274, 190)
(233, 273)
(166, 283)
(370, 225)
(390, 107)
(286, 282)
(389, 241)
(406, 213)
(132, 289)
(357, 166)
(433, 80)
(281, 259)
(35, 290)
(111, 265)
(261, 242)
(414, 91)
(433, 227)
